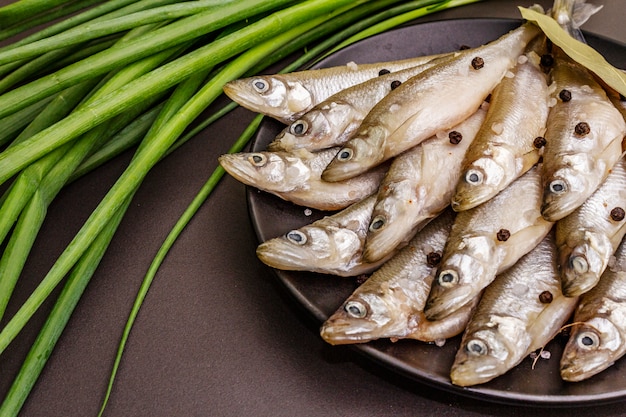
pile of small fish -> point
(483, 192)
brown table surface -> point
(216, 336)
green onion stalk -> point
(30, 178)
(20, 26)
(45, 177)
(171, 35)
(107, 10)
(107, 27)
(152, 151)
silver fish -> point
(286, 97)
(418, 186)
(296, 177)
(598, 336)
(334, 120)
(520, 312)
(389, 303)
(584, 135)
(485, 241)
(330, 245)
(436, 99)
(588, 237)
(508, 144)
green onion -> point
(143, 162)
(107, 27)
(106, 10)
(59, 316)
(400, 15)
(11, 126)
(178, 32)
(125, 139)
(20, 26)
(25, 9)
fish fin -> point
(572, 14)
(523, 242)
(549, 322)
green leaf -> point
(578, 51)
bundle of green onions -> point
(110, 76)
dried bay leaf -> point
(578, 51)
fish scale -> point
(511, 319)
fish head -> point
(312, 131)
(363, 317)
(359, 154)
(480, 181)
(270, 171)
(271, 95)
(485, 354)
(568, 186)
(582, 265)
(311, 248)
(393, 219)
(592, 347)
(457, 282)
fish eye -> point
(474, 177)
(588, 340)
(448, 278)
(296, 237)
(355, 309)
(298, 128)
(345, 154)
(558, 186)
(579, 264)
(377, 223)
(260, 85)
(257, 159)
(476, 347)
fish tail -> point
(572, 14)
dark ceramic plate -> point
(321, 295)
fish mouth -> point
(341, 168)
(465, 374)
(230, 163)
(581, 270)
(382, 242)
(339, 331)
(557, 199)
(445, 304)
(580, 366)
(277, 255)
(284, 141)
(236, 91)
